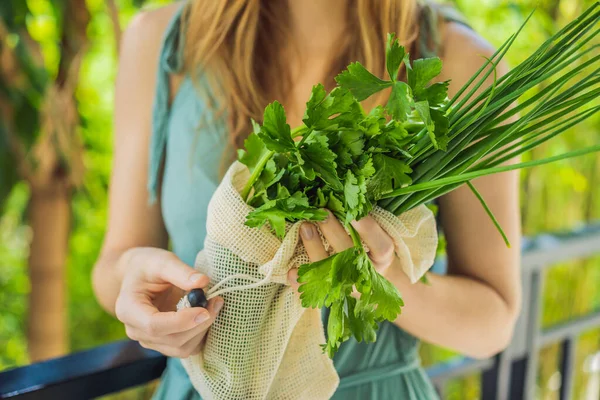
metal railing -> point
(510, 375)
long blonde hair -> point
(236, 44)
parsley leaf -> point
(398, 104)
(394, 55)
(441, 127)
(268, 177)
(322, 106)
(275, 132)
(346, 161)
(358, 80)
(436, 94)
(391, 174)
(422, 109)
(379, 299)
(318, 279)
(254, 151)
(362, 324)
(351, 190)
(423, 70)
(276, 212)
(349, 145)
(319, 160)
(335, 329)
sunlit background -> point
(555, 197)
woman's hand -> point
(380, 244)
(153, 282)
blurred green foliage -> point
(557, 196)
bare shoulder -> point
(140, 49)
(145, 31)
(463, 53)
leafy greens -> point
(416, 147)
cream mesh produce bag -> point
(263, 344)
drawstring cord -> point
(213, 292)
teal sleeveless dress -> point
(387, 369)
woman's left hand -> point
(380, 244)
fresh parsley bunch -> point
(346, 160)
(417, 147)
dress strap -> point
(430, 41)
(376, 374)
(170, 62)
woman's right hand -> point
(153, 282)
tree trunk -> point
(58, 170)
(50, 220)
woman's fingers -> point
(314, 248)
(312, 242)
(171, 269)
(381, 245)
(335, 233)
(137, 311)
(214, 307)
(171, 351)
(179, 338)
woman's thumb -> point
(172, 270)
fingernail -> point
(218, 305)
(202, 317)
(307, 231)
(195, 277)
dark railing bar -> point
(545, 250)
(116, 366)
(85, 374)
(567, 370)
(533, 332)
(490, 380)
(504, 370)
(569, 328)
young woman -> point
(191, 77)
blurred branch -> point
(10, 72)
(59, 151)
(113, 10)
(73, 41)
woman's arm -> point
(135, 278)
(132, 222)
(473, 309)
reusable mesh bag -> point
(264, 344)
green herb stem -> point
(299, 130)
(461, 178)
(355, 236)
(255, 174)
